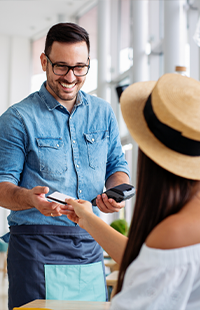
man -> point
(58, 139)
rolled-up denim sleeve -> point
(12, 146)
(115, 158)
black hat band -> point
(170, 137)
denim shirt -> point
(42, 144)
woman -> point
(160, 259)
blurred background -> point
(131, 40)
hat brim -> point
(132, 102)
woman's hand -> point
(82, 209)
(109, 239)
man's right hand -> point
(43, 205)
(17, 198)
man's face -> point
(65, 88)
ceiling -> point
(31, 18)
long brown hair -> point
(160, 193)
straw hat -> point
(163, 117)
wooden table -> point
(111, 280)
(67, 305)
(110, 263)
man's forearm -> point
(13, 197)
(117, 178)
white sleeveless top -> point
(161, 280)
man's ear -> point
(43, 60)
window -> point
(126, 52)
(89, 22)
(38, 75)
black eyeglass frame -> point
(69, 67)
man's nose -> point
(70, 74)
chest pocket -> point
(97, 147)
(52, 155)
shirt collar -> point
(52, 103)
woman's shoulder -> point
(176, 231)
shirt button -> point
(74, 141)
(80, 191)
(92, 139)
(58, 145)
(61, 107)
(77, 166)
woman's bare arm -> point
(110, 240)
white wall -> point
(20, 71)
(4, 72)
(15, 55)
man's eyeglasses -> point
(60, 69)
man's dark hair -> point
(67, 33)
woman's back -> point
(166, 273)
(178, 230)
(162, 280)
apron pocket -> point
(75, 282)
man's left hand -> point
(108, 205)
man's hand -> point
(108, 205)
(18, 198)
(39, 201)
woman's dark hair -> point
(160, 193)
(67, 33)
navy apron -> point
(54, 262)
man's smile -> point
(68, 85)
